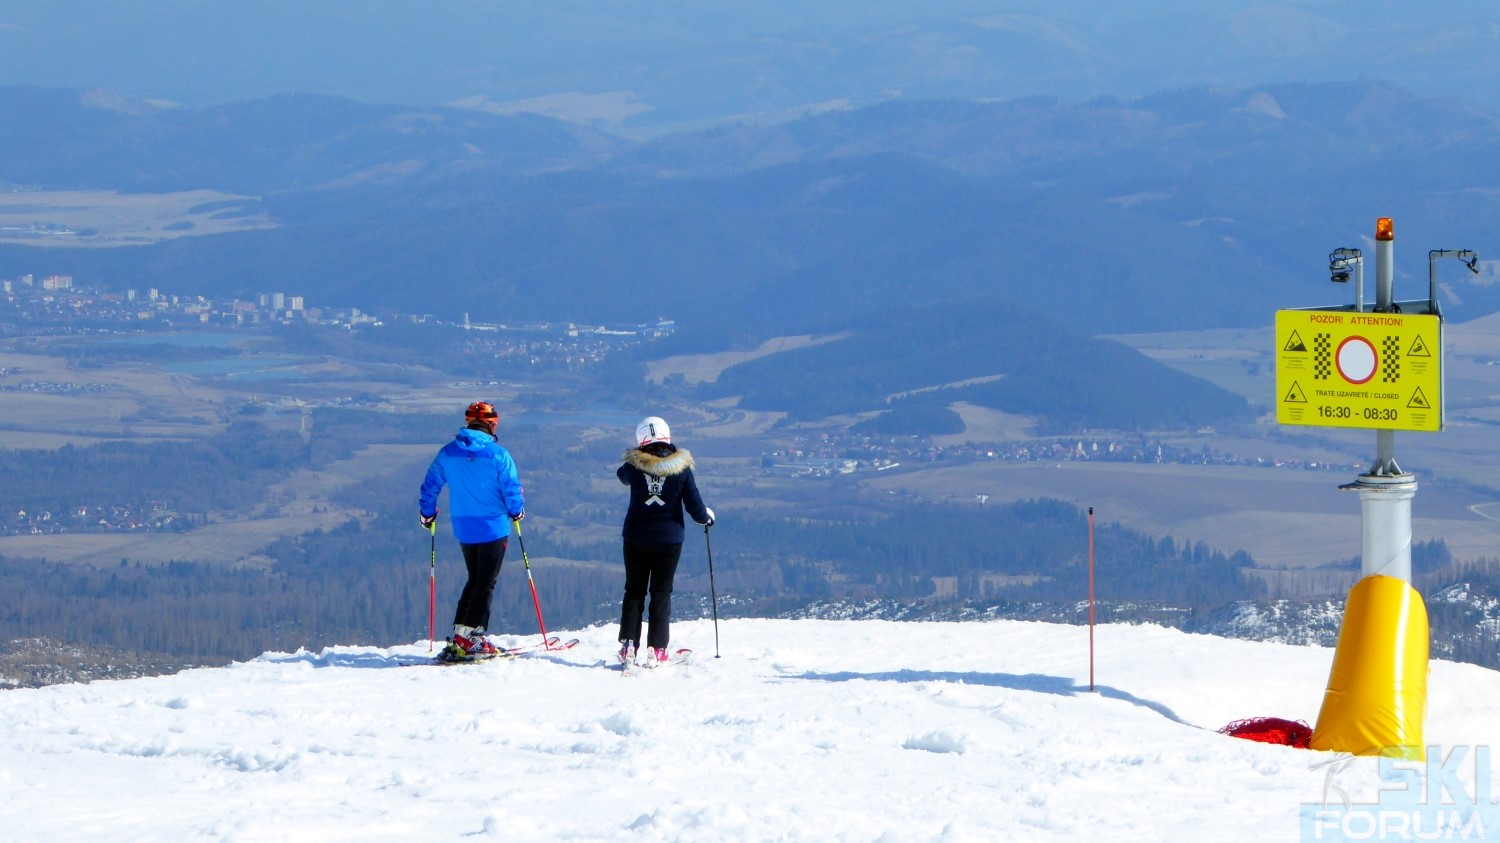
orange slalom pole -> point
(1091, 598)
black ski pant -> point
(649, 569)
(483, 561)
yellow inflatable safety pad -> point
(1377, 688)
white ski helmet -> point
(652, 429)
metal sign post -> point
(1347, 367)
(1385, 492)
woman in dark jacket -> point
(660, 477)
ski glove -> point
(710, 521)
(427, 519)
(519, 516)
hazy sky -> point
(658, 64)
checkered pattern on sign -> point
(1390, 359)
(1322, 356)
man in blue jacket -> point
(484, 497)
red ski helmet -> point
(484, 413)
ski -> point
(678, 657)
(480, 657)
(552, 645)
(631, 667)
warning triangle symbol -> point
(1418, 349)
(1419, 401)
(1295, 395)
(1294, 343)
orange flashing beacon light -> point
(1384, 230)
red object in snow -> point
(1271, 730)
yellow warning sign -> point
(1338, 368)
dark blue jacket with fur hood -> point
(661, 487)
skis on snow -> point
(551, 645)
(630, 666)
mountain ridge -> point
(1190, 220)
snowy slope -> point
(803, 730)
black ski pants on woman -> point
(649, 569)
(483, 561)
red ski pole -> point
(546, 642)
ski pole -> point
(546, 642)
(432, 588)
(713, 592)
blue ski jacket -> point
(484, 491)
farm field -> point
(108, 219)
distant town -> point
(830, 454)
(56, 303)
(152, 517)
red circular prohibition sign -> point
(1357, 360)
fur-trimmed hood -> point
(674, 463)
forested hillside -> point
(984, 351)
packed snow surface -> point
(801, 730)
